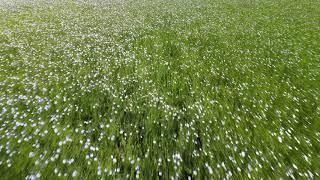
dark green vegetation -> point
(160, 89)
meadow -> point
(159, 89)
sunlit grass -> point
(160, 89)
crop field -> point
(159, 89)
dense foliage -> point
(160, 89)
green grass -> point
(160, 89)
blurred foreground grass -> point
(160, 89)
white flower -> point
(242, 153)
(32, 177)
(31, 154)
(4, 110)
(114, 160)
(74, 173)
(47, 107)
(209, 168)
(194, 172)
